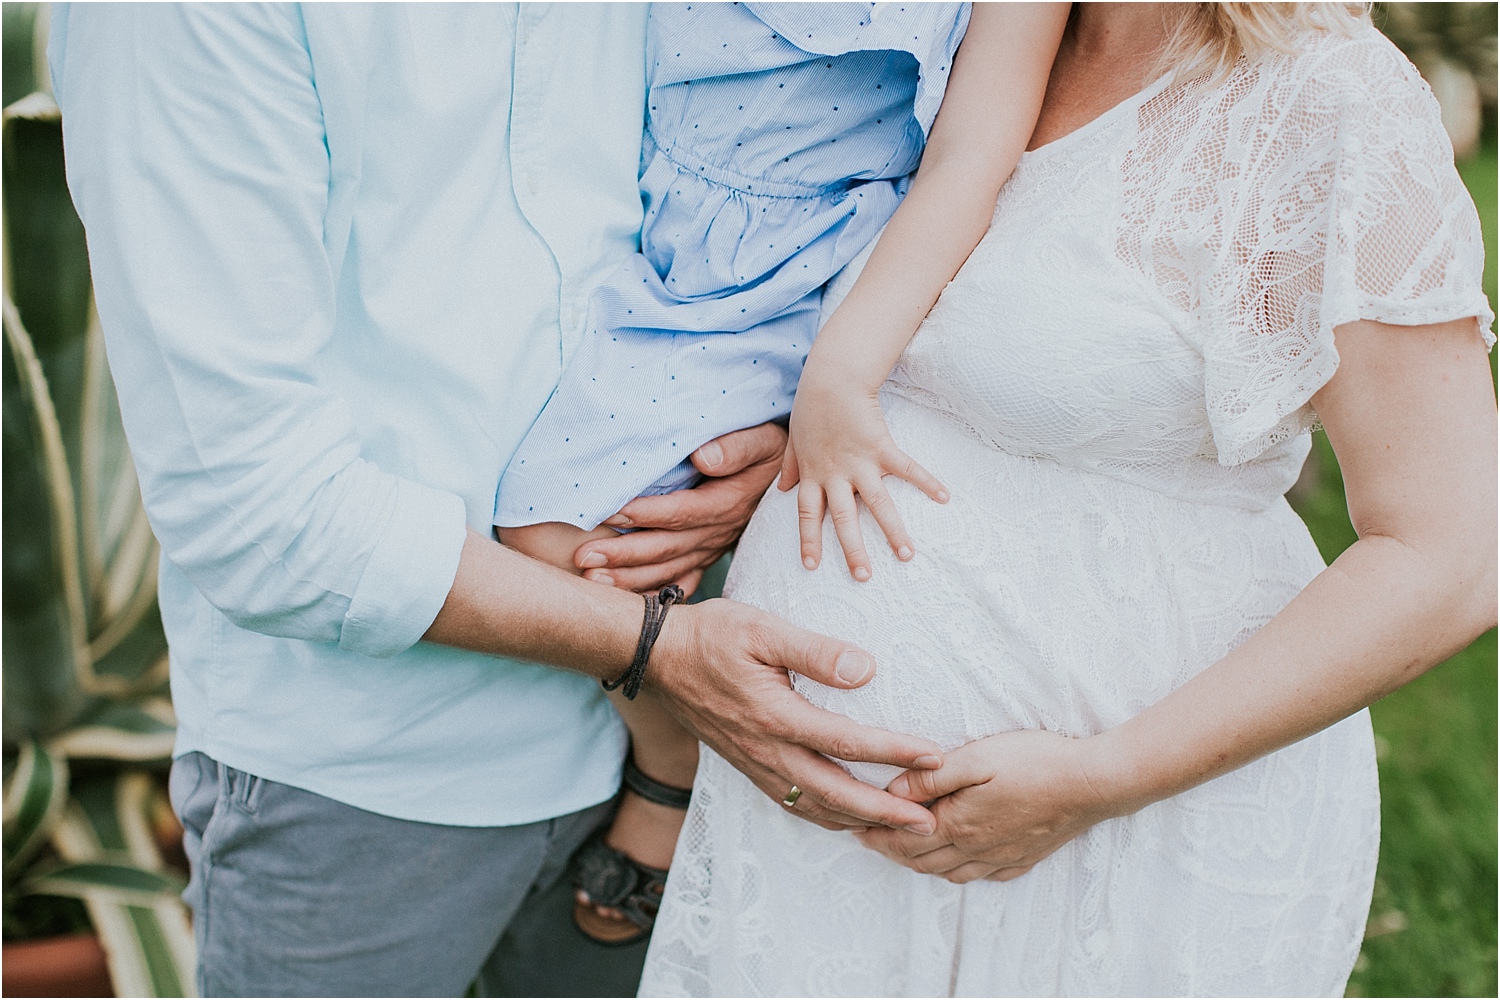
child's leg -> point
(552, 543)
(662, 750)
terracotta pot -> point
(68, 966)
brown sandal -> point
(612, 878)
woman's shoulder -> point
(1346, 96)
(1354, 71)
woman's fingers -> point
(810, 523)
(952, 864)
(959, 770)
(883, 509)
(901, 465)
(940, 861)
(972, 872)
(901, 846)
(1006, 874)
(845, 513)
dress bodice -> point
(1085, 364)
(1118, 317)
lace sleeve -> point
(1342, 204)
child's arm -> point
(839, 442)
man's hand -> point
(681, 534)
(722, 668)
(1002, 804)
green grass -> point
(1435, 890)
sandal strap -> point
(615, 879)
(652, 790)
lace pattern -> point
(1114, 389)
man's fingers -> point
(926, 784)
(845, 514)
(707, 503)
(689, 582)
(819, 657)
(838, 736)
(829, 796)
(724, 456)
(790, 471)
(1006, 874)
(810, 523)
(898, 463)
(884, 512)
(655, 575)
(829, 791)
(643, 548)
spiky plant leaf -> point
(150, 945)
(116, 881)
(133, 731)
(34, 799)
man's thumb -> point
(828, 661)
(738, 450)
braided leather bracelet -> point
(656, 614)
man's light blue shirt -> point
(339, 253)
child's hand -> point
(840, 446)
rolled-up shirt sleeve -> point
(198, 161)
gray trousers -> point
(294, 894)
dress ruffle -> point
(929, 31)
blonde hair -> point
(1211, 37)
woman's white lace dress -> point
(1115, 390)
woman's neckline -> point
(1102, 119)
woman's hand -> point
(840, 446)
(1002, 804)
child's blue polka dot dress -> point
(778, 139)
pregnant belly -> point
(1041, 596)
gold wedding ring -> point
(792, 797)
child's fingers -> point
(790, 474)
(884, 510)
(810, 523)
(898, 463)
(845, 514)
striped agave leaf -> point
(113, 865)
(136, 730)
(109, 879)
(34, 799)
(105, 555)
(85, 665)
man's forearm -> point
(508, 604)
(722, 666)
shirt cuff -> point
(409, 574)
